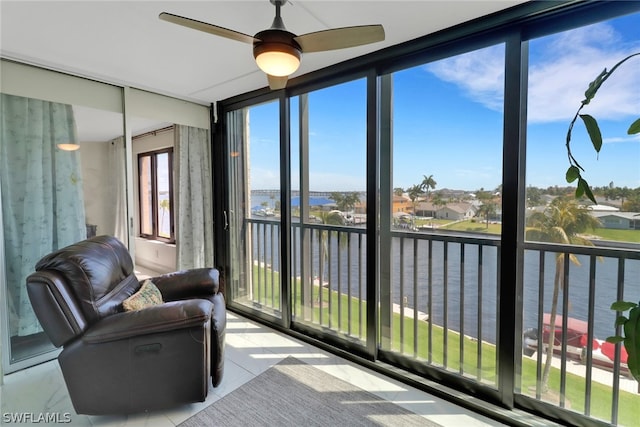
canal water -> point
(455, 286)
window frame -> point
(153, 156)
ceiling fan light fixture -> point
(70, 146)
(277, 59)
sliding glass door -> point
(328, 210)
(254, 214)
(444, 214)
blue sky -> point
(448, 118)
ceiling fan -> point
(277, 51)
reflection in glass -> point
(146, 195)
(163, 170)
(42, 204)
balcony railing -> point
(443, 299)
(592, 278)
(444, 289)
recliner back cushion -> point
(98, 270)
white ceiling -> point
(124, 42)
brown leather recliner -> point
(121, 362)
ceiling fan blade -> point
(340, 38)
(207, 28)
(277, 82)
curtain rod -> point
(153, 132)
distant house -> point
(616, 203)
(426, 209)
(603, 208)
(401, 204)
(619, 220)
(456, 211)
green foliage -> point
(631, 338)
(414, 192)
(593, 130)
(428, 183)
(561, 222)
(575, 170)
(632, 204)
(631, 325)
(345, 201)
(584, 190)
(573, 173)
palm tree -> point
(561, 222)
(488, 206)
(345, 201)
(427, 184)
(164, 205)
(487, 209)
(414, 192)
(327, 218)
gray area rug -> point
(293, 393)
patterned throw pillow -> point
(147, 296)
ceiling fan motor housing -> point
(278, 42)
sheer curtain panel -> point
(118, 189)
(194, 222)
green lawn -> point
(474, 227)
(343, 309)
(632, 236)
(617, 235)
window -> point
(461, 128)
(328, 202)
(444, 266)
(155, 189)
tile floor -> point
(250, 350)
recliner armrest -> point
(169, 316)
(202, 282)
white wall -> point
(95, 180)
(155, 255)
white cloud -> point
(480, 74)
(622, 139)
(558, 78)
(573, 59)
